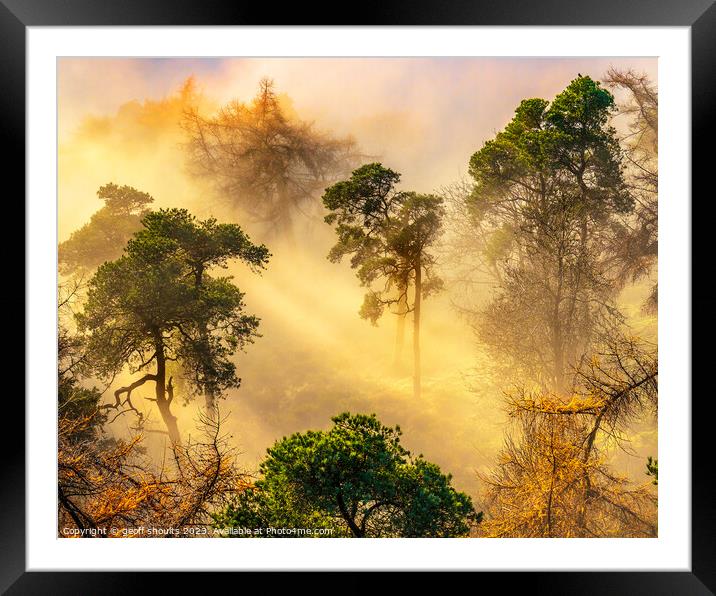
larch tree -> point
(553, 478)
(263, 159)
(103, 238)
(549, 192)
(148, 308)
(388, 235)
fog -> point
(119, 122)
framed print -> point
(416, 281)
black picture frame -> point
(699, 15)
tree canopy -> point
(356, 479)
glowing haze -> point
(119, 122)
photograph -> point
(357, 297)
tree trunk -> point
(400, 327)
(558, 350)
(209, 392)
(357, 532)
(164, 403)
(586, 480)
(210, 400)
(550, 499)
(557, 335)
(209, 388)
(416, 330)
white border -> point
(671, 551)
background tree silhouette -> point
(639, 240)
(265, 160)
(104, 237)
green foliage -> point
(652, 469)
(356, 479)
(387, 234)
(103, 238)
(566, 145)
(158, 301)
(206, 243)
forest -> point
(276, 320)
